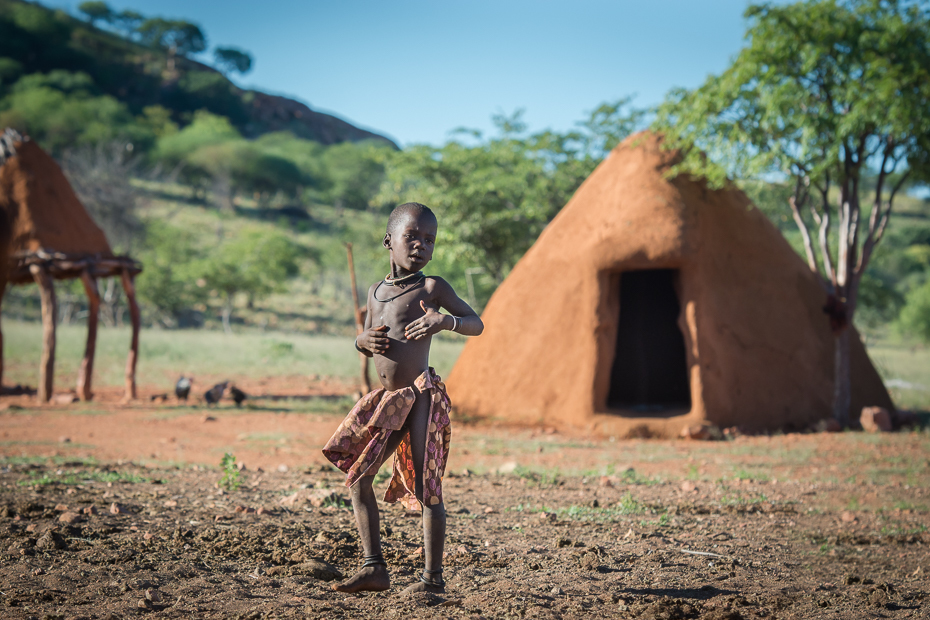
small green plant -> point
(662, 521)
(628, 505)
(230, 480)
(693, 472)
(538, 478)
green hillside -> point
(36, 40)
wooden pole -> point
(130, 289)
(359, 322)
(86, 372)
(49, 319)
(2, 291)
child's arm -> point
(461, 318)
(372, 339)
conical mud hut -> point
(650, 304)
(45, 235)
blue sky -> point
(416, 69)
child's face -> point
(411, 242)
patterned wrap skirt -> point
(358, 444)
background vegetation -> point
(241, 223)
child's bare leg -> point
(373, 576)
(434, 517)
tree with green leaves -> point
(824, 93)
(127, 22)
(62, 110)
(494, 196)
(254, 263)
(176, 36)
(173, 284)
(230, 59)
(96, 11)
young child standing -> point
(409, 416)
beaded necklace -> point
(395, 281)
(388, 280)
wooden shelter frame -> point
(43, 267)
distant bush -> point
(915, 315)
(354, 172)
(61, 109)
(171, 287)
(246, 167)
(254, 263)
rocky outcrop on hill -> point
(275, 113)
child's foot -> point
(368, 578)
(422, 586)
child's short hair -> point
(412, 208)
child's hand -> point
(430, 323)
(374, 339)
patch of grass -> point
(81, 477)
(905, 370)
(741, 500)
(541, 478)
(662, 521)
(741, 473)
(166, 354)
(903, 530)
(631, 476)
(264, 438)
(628, 505)
(56, 460)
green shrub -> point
(915, 315)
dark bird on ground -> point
(214, 394)
(237, 395)
(182, 388)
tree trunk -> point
(86, 372)
(2, 291)
(227, 311)
(49, 316)
(842, 384)
(135, 319)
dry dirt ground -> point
(110, 511)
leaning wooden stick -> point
(359, 321)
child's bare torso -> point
(405, 360)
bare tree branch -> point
(797, 201)
(824, 232)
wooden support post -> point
(49, 320)
(86, 372)
(130, 289)
(2, 291)
(359, 322)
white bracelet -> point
(456, 321)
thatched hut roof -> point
(48, 223)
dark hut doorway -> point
(650, 370)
